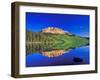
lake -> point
(75, 56)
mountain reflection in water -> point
(53, 53)
(76, 56)
(45, 50)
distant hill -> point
(54, 30)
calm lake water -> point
(75, 56)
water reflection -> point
(32, 48)
(45, 50)
(53, 53)
(77, 56)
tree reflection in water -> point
(45, 50)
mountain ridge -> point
(54, 30)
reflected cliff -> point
(53, 53)
(45, 50)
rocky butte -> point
(54, 30)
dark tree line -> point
(38, 37)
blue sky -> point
(75, 24)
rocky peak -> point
(53, 30)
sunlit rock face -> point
(53, 30)
(53, 53)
